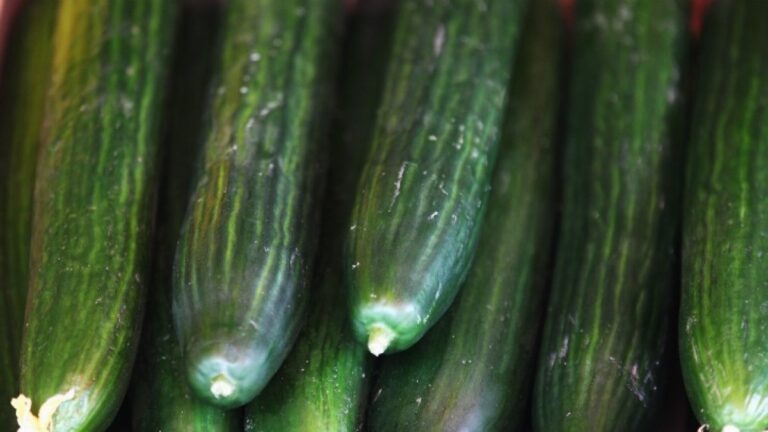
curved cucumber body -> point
(723, 318)
(469, 372)
(601, 361)
(322, 386)
(162, 400)
(93, 197)
(247, 242)
(423, 189)
(22, 105)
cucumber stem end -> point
(43, 422)
(379, 339)
(221, 386)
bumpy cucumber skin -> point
(244, 258)
(422, 194)
(162, 400)
(724, 318)
(467, 374)
(601, 362)
(322, 386)
(22, 97)
(93, 200)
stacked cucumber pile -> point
(413, 215)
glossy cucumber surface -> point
(162, 400)
(323, 384)
(247, 243)
(421, 198)
(470, 373)
(92, 210)
(724, 310)
(601, 365)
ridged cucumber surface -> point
(601, 366)
(162, 400)
(469, 372)
(22, 105)
(422, 194)
(247, 244)
(92, 210)
(322, 386)
(724, 304)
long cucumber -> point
(92, 203)
(22, 106)
(601, 366)
(470, 372)
(162, 400)
(724, 311)
(423, 190)
(247, 244)
(322, 386)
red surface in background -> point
(699, 7)
(567, 8)
(697, 15)
(7, 11)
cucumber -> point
(162, 401)
(601, 365)
(322, 386)
(22, 96)
(724, 304)
(244, 258)
(420, 389)
(423, 189)
(467, 374)
(92, 202)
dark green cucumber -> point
(162, 401)
(724, 304)
(322, 386)
(469, 372)
(244, 259)
(22, 96)
(423, 189)
(92, 203)
(601, 362)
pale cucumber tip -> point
(222, 387)
(43, 422)
(379, 339)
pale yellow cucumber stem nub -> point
(222, 386)
(28, 422)
(379, 338)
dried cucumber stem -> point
(44, 421)
(222, 387)
(379, 339)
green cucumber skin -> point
(92, 206)
(244, 259)
(468, 373)
(601, 365)
(22, 96)
(423, 189)
(322, 386)
(723, 318)
(162, 401)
